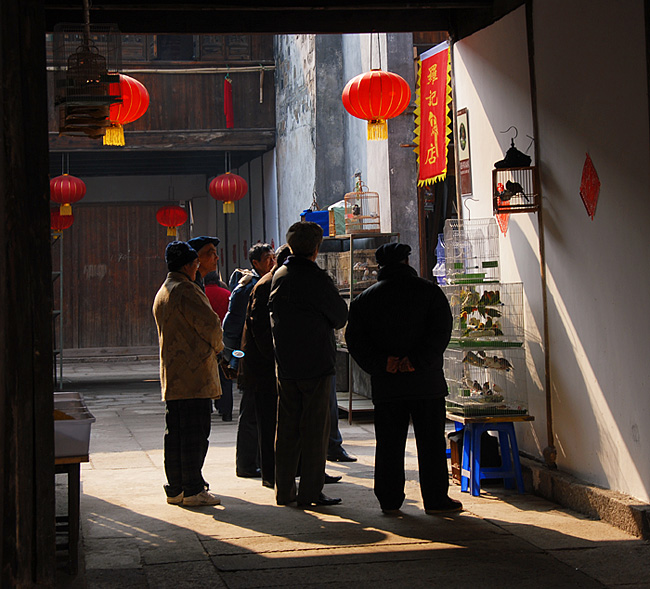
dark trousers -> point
(247, 452)
(224, 403)
(187, 430)
(335, 438)
(266, 413)
(302, 434)
(391, 430)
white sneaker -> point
(177, 500)
(201, 499)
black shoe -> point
(449, 505)
(322, 500)
(256, 474)
(268, 484)
(226, 417)
(341, 456)
(329, 479)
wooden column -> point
(26, 424)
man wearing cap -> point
(190, 339)
(397, 332)
(305, 309)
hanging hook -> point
(512, 140)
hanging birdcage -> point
(362, 209)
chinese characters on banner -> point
(432, 114)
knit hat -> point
(392, 253)
(304, 238)
(177, 254)
(197, 243)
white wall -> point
(592, 97)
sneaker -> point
(175, 500)
(449, 505)
(201, 499)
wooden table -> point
(69, 524)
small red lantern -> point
(135, 102)
(376, 96)
(171, 217)
(65, 190)
(59, 222)
(228, 188)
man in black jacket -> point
(305, 309)
(397, 331)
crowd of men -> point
(282, 315)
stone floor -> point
(132, 538)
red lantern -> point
(171, 217)
(65, 190)
(376, 96)
(135, 101)
(228, 188)
(59, 222)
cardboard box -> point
(72, 430)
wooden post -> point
(26, 423)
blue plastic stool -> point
(458, 427)
(510, 469)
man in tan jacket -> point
(190, 339)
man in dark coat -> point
(397, 331)
(305, 307)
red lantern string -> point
(65, 190)
(59, 222)
(135, 102)
(228, 188)
(171, 217)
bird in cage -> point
(356, 210)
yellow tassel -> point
(228, 207)
(377, 130)
(65, 210)
(171, 231)
(114, 135)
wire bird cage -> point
(486, 383)
(362, 210)
(515, 190)
(471, 251)
(87, 59)
(486, 315)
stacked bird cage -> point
(362, 209)
(486, 383)
(471, 251)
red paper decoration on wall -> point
(65, 190)
(589, 187)
(376, 96)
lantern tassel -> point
(377, 130)
(114, 135)
(228, 207)
(171, 231)
(65, 210)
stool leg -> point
(475, 484)
(465, 466)
(515, 459)
(506, 461)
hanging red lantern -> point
(65, 190)
(59, 222)
(376, 96)
(135, 102)
(228, 188)
(171, 216)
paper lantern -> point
(228, 188)
(135, 102)
(171, 216)
(376, 96)
(65, 190)
(59, 222)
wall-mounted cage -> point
(486, 315)
(362, 212)
(515, 190)
(471, 251)
(486, 383)
(86, 62)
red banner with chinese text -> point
(432, 114)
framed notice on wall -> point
(465, 169)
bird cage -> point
(486, 383)
(486, 315)
(515, 190)
(86, 62)
(362, 210)
(471, 251)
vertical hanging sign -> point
(227, 102)
(432, 119)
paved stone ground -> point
(133, 539)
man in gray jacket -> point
(305, 308)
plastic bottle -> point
(439, 270)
